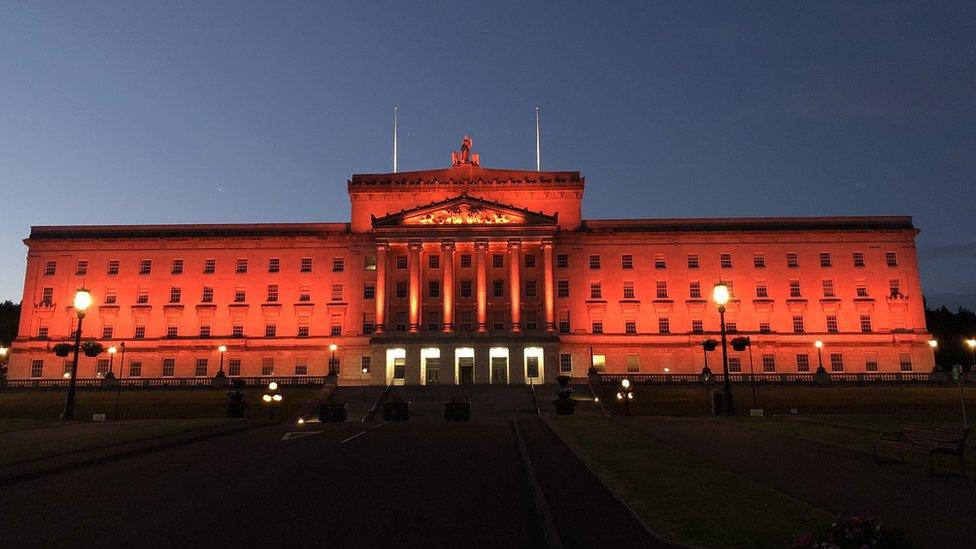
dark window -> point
(562, 261)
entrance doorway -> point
(433, 371)
(465, 369)
(399, 371)
(499, 370)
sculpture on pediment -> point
(465, 156)
(464, 214)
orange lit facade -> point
(469, 274)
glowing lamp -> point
(720, 293)
(333, 347)
(272, 386)
(625, 383)
(222, 348)
(630, 396)
(83, 300)
(620, 396)
(818, 343)
(266, 398)
(3, 351)
(112, 350)
(933, 343)
(971, 342)
(365, 370)
(301, 421)
(596, 399)
(66, 375)
(666, 370)
(277, 398)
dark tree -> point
(9, 318)
(951, 329)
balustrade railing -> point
(160, 382)
(869, 378)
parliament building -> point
(474, 275)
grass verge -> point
(682, 498)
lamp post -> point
(971, 342)
(83, 300)
(118, 383)
(220, 379)
(111, 361)
(333, 371)
(626, 394)
(272, 399)
(819, 345)
(720, 294)
(3, 362)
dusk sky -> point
(181, 112)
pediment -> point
(464, 210)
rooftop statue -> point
(465, 156)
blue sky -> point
(174, 112)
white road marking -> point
(380, 425)
(352, 437)
(299, 434)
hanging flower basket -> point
(92, 348)
(740, 343)
(62, 349)
(709, 344)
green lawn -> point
(682, 498)
(163, 404)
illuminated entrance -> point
(464, 365)
(430, 366)
(499, 365)
(396, 366)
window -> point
(240, 295)
(306, 265)
(200, 367)
(270, 330)
(633, 364)
(267, 365)
(498, 288)
(832, 323)
(111, 297)
(466, 288)
(894, 287)
(37, 368)
(628, 289)
(465, 319)
(735, 364)
(725, 260)
(369, 290)
(142, 295)
(369, 323)
(433, 288)
(836, 362)
(274, 265)
(303, 330)
(761, 290)
(759, 261)
(862, 288)
(858, 259)
(172, 331)
(531, 320)
(498, 320)
(204, 330)
(871, 363)
(891, 259)
(465, 261)
(272, 293)
(305, 293)
(208, 293)
(113, 267)
(174, 294)
(338, 264)
(865, 323)
(433, 262)
(81, 267)
(769, 363)
(563, 322)
(337, 291)
(369, 262)
(828, 288)
(234, 367)
(401, 262)
(825, 259)
(365, 362)
(597, 327)
(135, 368)
(802, 362)
(529, 261)
(237, 330)
(47, 296)
(565, 363)
(599, 362)
(694, 290)
(765, 328)
(177, 267)
(792, 259)
(630, 327)
(663, 325)
(530, 289)
(209, 266)
(594, 262)
(50, 268)
(798, 324)
(169, 367)
(697, 326)
(301, 366)
(596, 290)
(562, 261)
(661, 289)
(139, 332)
(497, 261)
(401, 289)
(241, 266)
(627, 262)
(562, 288)
(660, 262)
(693, 261)
(145, 266)
(107, 331)
(795, 288)
(101, 367)
(335, 329)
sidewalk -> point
(931, 510)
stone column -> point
(481, 248)
(515, 283)
(381, 249)
(414, 265)
(548, 286)
(447, 286)
(482, 363)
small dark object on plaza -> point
(592, 371)
(396, 410)
(821, 377)
(219, 380)
(853, 533)
(706, 375)
(62, 349)
(457, 409)
(109, 381)
(236, 407)
(564, 403)
(333, 412)
(92, 348)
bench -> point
(921, 437)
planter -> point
(236, 407)
(109, 381)
(821, 377)
(564, 407)
(564, 393)
(563, 381)
(396, 410)
(220, 380)
(62, 349)
(333, 412)
(92, 348)
(457, 410)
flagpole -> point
(395, 128)
(538, 145)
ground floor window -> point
(836, 362)
(301, 366)
(769, 363)
(135, 368)
(37, 368)
(169, 367)
(267, 366)
(565, 363)
(802, 362)
(201, 367)
(102, 367)
(234, 367)
(735, 365)
(600, 362)
(633, 364)
(532, 366)
(905, 362)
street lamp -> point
(972, 349)
(272, 398)
(220, 379)
(626, 394)
(720, 295)
(333, 370)
(3, 361)
(819, 345)
(83, 300)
